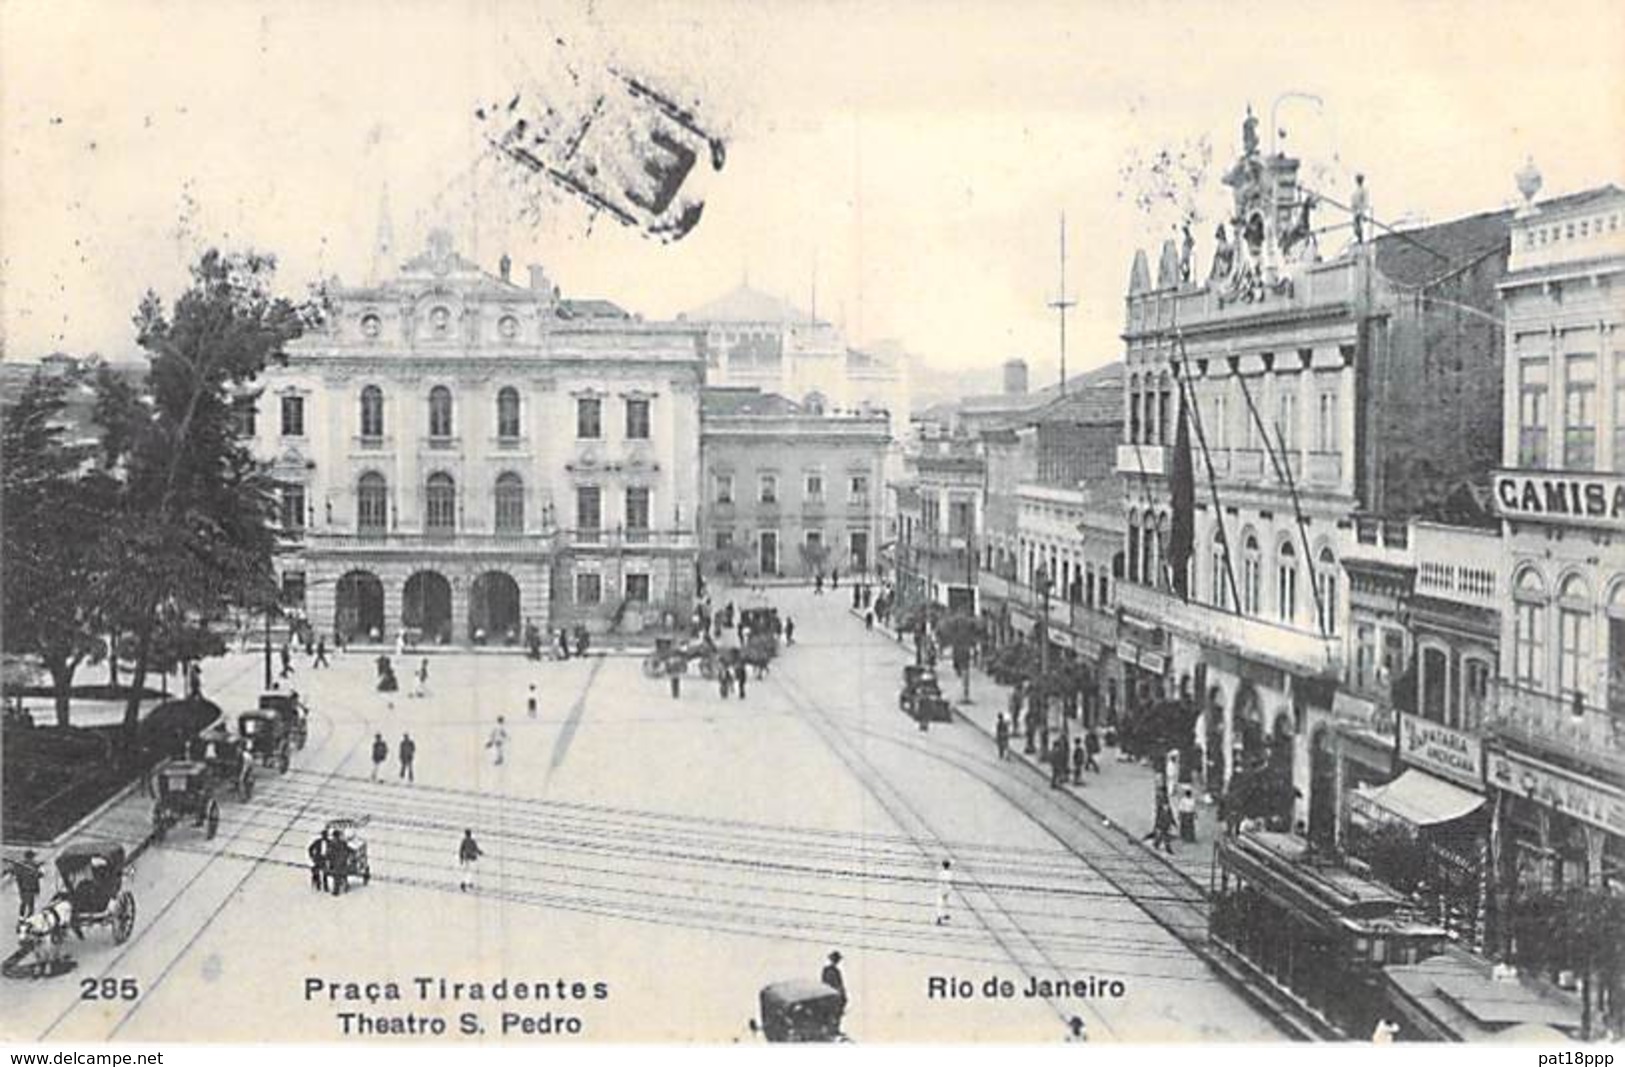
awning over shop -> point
(1423, 800)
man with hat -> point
(26, 872)
(832, 977)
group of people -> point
(330, 855)
(407, 750)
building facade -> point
(1311, 388)
(1557, 708)
(466, 456)
(789, 492)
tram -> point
(1315, 931)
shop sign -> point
(1586, 499)
(1061, 639)
(1155, 662)
(1128, 652)
(1448, 753)
(1590, 803)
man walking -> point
(1001, 736)
(380, 753)
(674, 674)
(1079, 758)
(1091, 749)
(530, 701)
(832, 977)
(498, 741)
(740, 674)
(27, 873)
(789, 630)
(286, 655)
(1057, 763)
(945, 889)
(408, 750)
(1162, 832)
(422, 686)
(321, 653)
(468, 855)
(318, 861)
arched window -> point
(1326, 575)
(1219, 592)
(1574, 611)
(440, 503)
(372, 412)
(1286, 582)
(440, 412)
(1133, 412)
(1148, 549)
(372, 503)
(1529, 629)
(1251, 575)
(510, 503)
(508, 413)
(1133, 547)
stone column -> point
(321, 598)
(393, 581)
(460, 582)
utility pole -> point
(1061, 304)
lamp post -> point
(1041, 578)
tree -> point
(53, 512)
(1396, 856)
(1264, 792)
(962, 632)
(1579, 929)
(195, 531)
(1158, 727)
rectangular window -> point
(244, 418)
(1365, 655)
(637, 513)
(1326, 423)
(1619, 413)
(767, 552)
(1286, 420)
(1218, 434)
(961, 518)
(1580, 412)
(724, 489)
(589, 418)
(637, 420)
(767, 489)
(293, 589)
(815, 488)
(1533, 416)
(589, 589)
(589, 512)
(1529, 648)
(857, 550)
(857, 489)
(293, 507)
(815, 539)
(293, 416)
(637, 588)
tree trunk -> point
(138, 683)
(112, 660)
(62, 683)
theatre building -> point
(463, 456)
(1557, 709)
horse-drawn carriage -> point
(91, 893)
(350, 859)
(265, 739)
(292, 713)
(225, 758)
(921, 698)
(670, 656)
(184, 788)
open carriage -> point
(91, 893)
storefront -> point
(1556, 827)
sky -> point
(908, 161)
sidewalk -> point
(1121, 794)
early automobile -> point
(265, 739)
(292, 711)
(920, 696)
(184, 788)
(798, 1010)
(226, 759)
(351, 860)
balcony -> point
(1283, 646)
(604, 538)
(1142, 459)
(375, 542)
(1542, 724)
(1325, 468)
(372, 442)
(1093, 623)
(442, 444)
(1247, 464)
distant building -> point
(789, 492)
(464, 456)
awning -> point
(1423, 800)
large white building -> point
(467, 455)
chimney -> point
(505, 266)
(1015, 377)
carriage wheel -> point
(124, 917)
(651, 665)
(213, 824)
(282, 762)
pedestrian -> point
(740, 674)
(194, 681)
(318, 861)
(400, 645)
(1079, 758)
(674, 674)
(725, 680)
(380, 753)
(1162, 832)
(818, 584)
(321, 653)
(498, 741)
(286, 655)
(945, 889)
(1032, 728)
(1091, 749)
(1001, 735)
(408, 750)
(581, 641)
(835, 578)
(1058, 763)
(832, 977)
(338, 863)
(789, 630)
(422, 686)
(869, 620)
(27, 872)
(530, 701)
(564, 643)
(1185, 808)
(1076, 1032)
(468, 855)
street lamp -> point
(1041, 578)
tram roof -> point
(1331, 893)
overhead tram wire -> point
(1187, 391)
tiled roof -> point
(718, 401)
(1093, 398)
(1419, 256)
